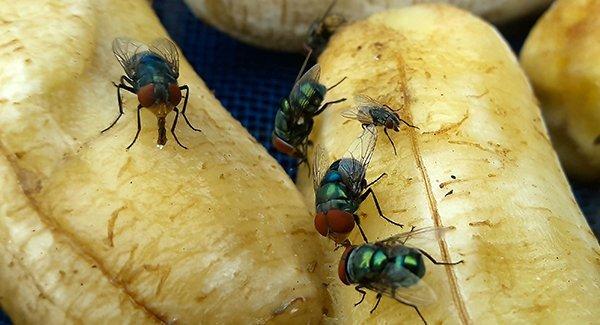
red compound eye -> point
(342, 266)
(340, 221)
(321, 224)
(146, 95)
(174, 94)
(336, 224)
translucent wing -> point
(126, 50)
(313, 74)
(363, 100)
(361, 110)
(320, 166)
(354, 163)
(168, 51)
(418, 294)
(425, 232)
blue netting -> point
(250, 81)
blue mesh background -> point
(250, 81)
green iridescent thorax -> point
(369, 263)
(289, 130)
(334, 194)
(308, 97)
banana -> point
(480, 162)
(560, 57)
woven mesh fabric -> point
(249, 82)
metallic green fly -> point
(151, 72)
(294, 118)
(342, 187)
(391, 268)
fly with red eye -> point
(341, 187)
(151, 72)
(371, 112)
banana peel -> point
(92, 233)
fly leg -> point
(408, 236)
(379, 295)
(385, 130)
(320, 110)
(416, 309)
(362, 232)
(362, 292)
(125, 78)
(173, 128)
(120, 100)
(408, 304)
(337, 84)
(436, 262)
(185, 102)
(139, 126)
(376, 180)
(364, 197)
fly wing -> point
(355, 161)
(319, 166)
(430, 233)
(418, 294)
(126, 50)
(359, 113)
(167, 50)
(313, 74)
(363, 100)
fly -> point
(294, 118)
(321, 30)
(371, 112)
(342, 187)
(151, 72)
(391, 268)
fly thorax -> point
(351, 170)
(404, 267)
(308, 97)
(379, 116)
(365, 262)
(413, 261)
